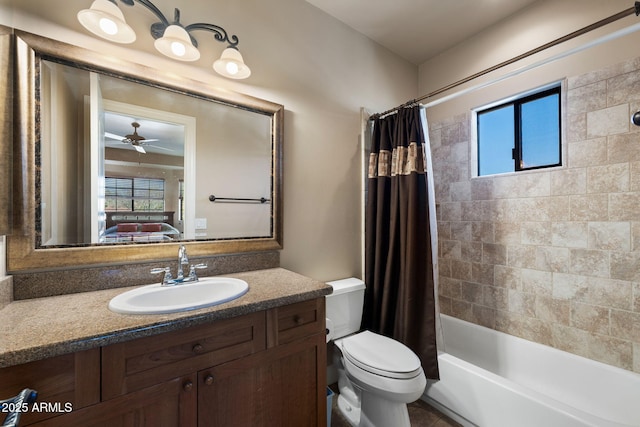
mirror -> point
(119, 168)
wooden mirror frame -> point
(22, 255)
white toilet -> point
(377, 376)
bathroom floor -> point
(421, 415)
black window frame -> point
(517, 122)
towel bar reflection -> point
(261, 200)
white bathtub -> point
(491, 379)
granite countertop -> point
(45, 327)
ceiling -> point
(418, 30)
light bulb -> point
(178, 49)
(232, 68)
(108, 26)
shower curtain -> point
(400, 299)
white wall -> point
(319, 69)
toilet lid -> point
(381, 355)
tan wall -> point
(551, 255)
(318, 68)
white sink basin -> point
(157, 299)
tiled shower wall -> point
(552, 255)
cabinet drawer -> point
(70, 381)
(139, 363)
(295, 321)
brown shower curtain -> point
(399, 299)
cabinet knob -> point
(299, 320)
(208, 380)
(198, 348)
(188, 386)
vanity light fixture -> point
(105, 19)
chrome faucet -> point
(183, 260)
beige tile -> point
(615, 236)
(460, 191)
(624, 206)
(460, 269)
(608, 179)
(625, 266)
(634, 184)
(569, 286)
(570, 234)
(507, 232)
(555, 311)
(535, 184)
(493, 253)
(461, 230)
(607, 293)
(625, 325)
(569, 181)
(483, 273)
(587, 98)
(522, 303)
(623, 148)
(553, 259)
(537, 282)
(509, 277)
(623, 87)
(576, 128)
(450, 249)
(570, 339)
(535, 233)
(471, 292)
(473, 210)
(636, 297)
(590, 318)
(587, 153)
(482, 189)
(611, 350)
(594, 207)
(449, 287)
(636, 357)
(558, 208)
(482, 231)
(471, 251)
(589, 262)
(495, 297)
(522, 256)
(484, 316)
(608, 121)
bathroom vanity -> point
(258, 360)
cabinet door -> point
(133, 365)
(277, 387)
(71, 380)
(170, 404)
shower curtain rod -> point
(627, 12)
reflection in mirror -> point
(70, 162)
(125, 162)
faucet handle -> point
(166, 276)
(192, 270)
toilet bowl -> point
(377, 376)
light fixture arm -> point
(220, 34)
(157, 29)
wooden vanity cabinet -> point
(261, 369)
(67, 382)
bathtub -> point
(492, 379)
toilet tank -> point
(344, 306)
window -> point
(520, 135)
(134, 194)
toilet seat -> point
(381, 355)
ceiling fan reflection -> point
(135, 140)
